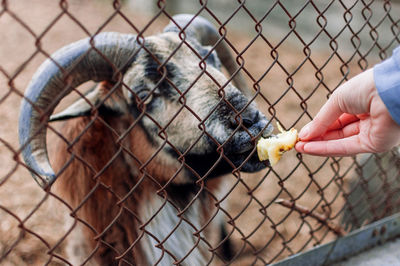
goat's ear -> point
(81, 107)
(96, 98)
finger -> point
(339, 147)
(343, 121)
(328, 114)
(345, 132)
(299, 146)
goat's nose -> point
(248, 119)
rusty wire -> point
(270, 215)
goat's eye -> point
(145, 96)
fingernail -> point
(299, 146)
(304, 132)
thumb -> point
(352, 97)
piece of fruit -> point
(273, 147)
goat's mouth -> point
(214, 164)
(247, 160)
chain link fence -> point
(128, 194)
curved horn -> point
(94, 59)
(206, 34)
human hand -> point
(353, 120)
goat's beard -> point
(252, 162)
(214, 164)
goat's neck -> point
(172, 218)
(172, 234)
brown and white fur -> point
(121, 175)
(142, 171)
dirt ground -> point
(265, 231)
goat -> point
(143, 152)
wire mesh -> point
(124, 195)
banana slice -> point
(272, 148)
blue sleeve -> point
(387, 82)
